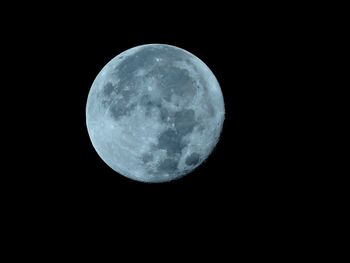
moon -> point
(154, 113)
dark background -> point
(257, 193)
(248, 181)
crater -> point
(170, 141)
(208, 102)
(127, 93)
(139, 60)
(147, 157)
(184, 121)
(173, 54)
(176, 81)
(121, 109)
(168, 166)
(165, 115)
(108, 89)
(193, 159)
(148, 103)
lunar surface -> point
(154, 113)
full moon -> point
(154, 113)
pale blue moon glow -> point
(154, 113)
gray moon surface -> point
(154, 113)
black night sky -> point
(248, 174)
